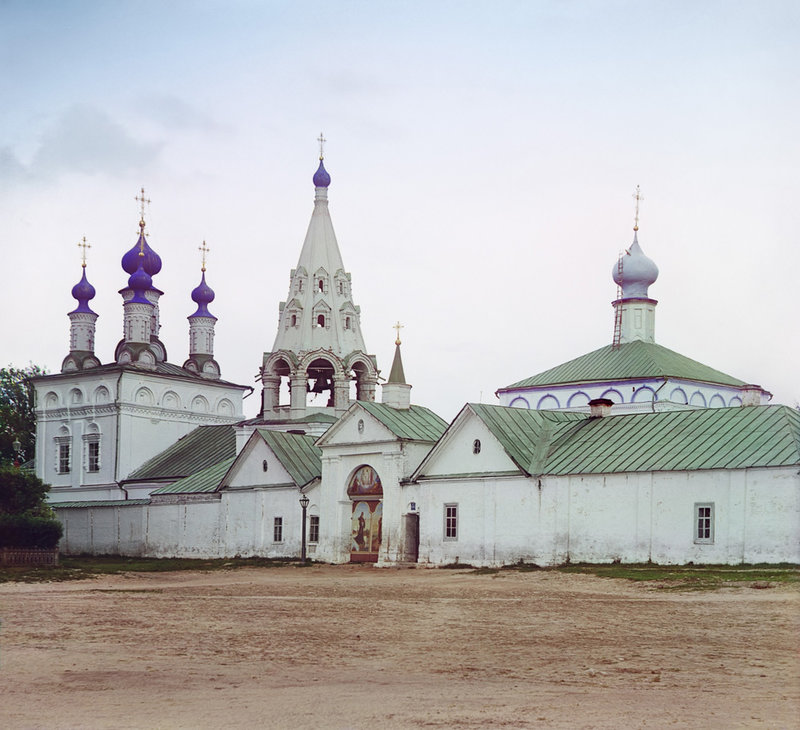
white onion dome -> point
(636, 273)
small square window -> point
(704, 523)
(451, 522)
(313, 528)
(277, 530)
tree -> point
(17, 415)
(26, 520)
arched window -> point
(320, 320)
(347, 323)
(321, 285)
(476, 446)
(294, 320)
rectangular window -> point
(94, 456)
(704, 523)
(63, 458)
(277, 530)
(451, 522)
(313, 528)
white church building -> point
(630, 453)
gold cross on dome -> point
(142, 200)
(82, 244)
(398, 327)
(321, 139)
(205, 249)
(638, 197)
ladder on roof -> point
(615, 342)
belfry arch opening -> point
(357, 382)
(320, 387)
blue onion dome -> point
(83, 291)
(203, 295)
(321, 177)
(638, 272)
(140, 281)
(152, 261)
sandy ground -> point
(361, 647)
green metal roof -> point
(631, 360)
(298, 454)
(552, 442)
(198, 449)
(100, 503)
(415, 423)
(201, 482)
(526, 434)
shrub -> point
(29, 531)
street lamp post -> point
(304, 504)
(17, 446)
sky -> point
(483, 158)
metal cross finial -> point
(82, 244)
(142, 200)
(321, 139)
(398, 327)
(205, 249)
(638, 197)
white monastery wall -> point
(625, 517)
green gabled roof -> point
(201, 482)
(415, 423)
(525, 435)
(298, 454)
(205, 446)
(713, 438)
(558, 443)
(631, 360)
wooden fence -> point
(28, 556)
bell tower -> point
(318, 350)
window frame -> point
(450, 522)
(277, 529)
(93, 460)
(63, 456)
(703, 528)
(313, 528)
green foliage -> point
(22, 492)
(26, 521)
(17, 415)
(29, 531)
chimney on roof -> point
(600, 407)
(751, 395)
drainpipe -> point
(116, 437)
(657, 391)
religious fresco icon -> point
(367, 521)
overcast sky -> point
(483, 156)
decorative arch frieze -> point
(645, 394)
(520, 402)
(613, 395)
(717, 401)
(548, 402)
(678, 395)
(578, 400)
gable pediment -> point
(346, 430)
(248, 469)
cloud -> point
(173, 112)
(83, 140)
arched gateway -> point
(365, 492)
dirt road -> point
(361, 647)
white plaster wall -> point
(458, 458)
(140, 415)
(626, 517)
(249, 468)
